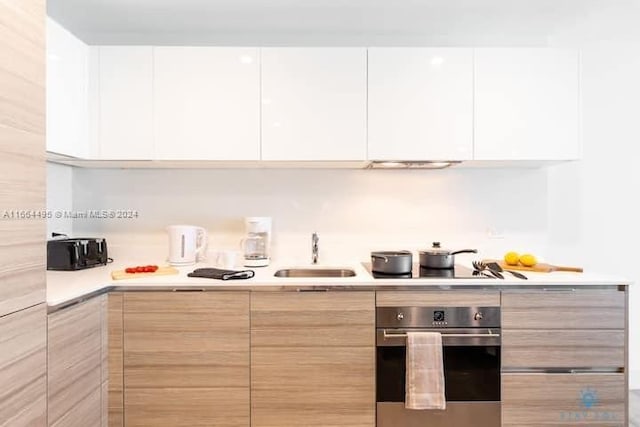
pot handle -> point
(465, 251)
(386, 260)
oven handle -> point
(490, 334)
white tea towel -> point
(424, 387)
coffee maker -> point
(255, 246)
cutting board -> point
(162, 271)
(538, 268)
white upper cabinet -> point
(526, 104)
(125, 125)
(207, 103)
(67, 97)
(314, 103)
(420, 104)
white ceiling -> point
(329, 22)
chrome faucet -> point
(314, 248)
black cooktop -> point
(458, 272)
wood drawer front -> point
(331, 319)
(554, 348)
(564, 310)
(23, 368)
(563, 400)
(74, 360)
(438, 299)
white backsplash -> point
(353, 211)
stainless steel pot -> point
(391, 262)
(439, 258)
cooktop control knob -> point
(478, 316)
(400, 316)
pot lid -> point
(436, 250)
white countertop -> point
(63, 286)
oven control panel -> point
(438, 317)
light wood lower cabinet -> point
(23, 368)
(75, 354)
(186, 359)
(115, 399)
(530, 400)
(312, 359)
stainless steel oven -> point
(471, 353)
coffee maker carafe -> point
(255, 246)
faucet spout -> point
(314, 248)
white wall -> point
(354, 211)
(59, 197)
(593, 205)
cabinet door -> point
(420, 104)
(67, 96)
(75, 365)
(207, 103)
(530, 400)
(125, 102)
(314, 103)
(526, 104)
(312, 359)
(23, 368)
(186, 359)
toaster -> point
(76, 254)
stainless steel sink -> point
(315, 272)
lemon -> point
(528, 260)
(511, 258)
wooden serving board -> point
(538, 268)
(162, 271)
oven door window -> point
(472, 373)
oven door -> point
(472, 379)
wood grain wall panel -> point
(22, 150)
(23, 364)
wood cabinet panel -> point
(23, 364)
(85, 412)
(581, 309)
(563, 399)
(313, 359)
(22, 150)
(438, 299)
(188, 407)
(186, 359)
(115, 360)
(75, 363)
(559, 348)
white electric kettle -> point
(187, 244)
